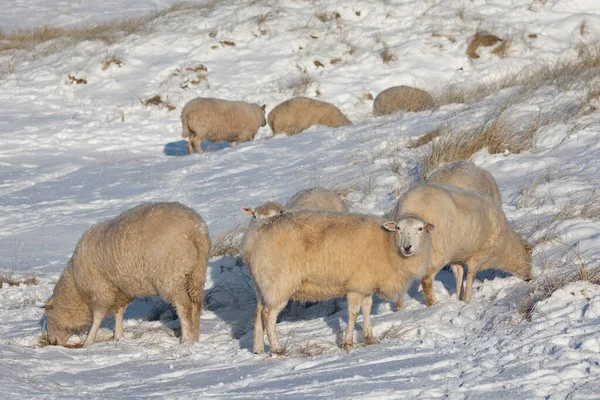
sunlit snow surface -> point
(72, 155)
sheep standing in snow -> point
(402, 98)
(298, 114)
(220, 121)
(318, 255)
(152, 249)
(466, 175)
(471, 229)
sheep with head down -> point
(471, 229)
(300, 113)
(319, 255)
(402, 98)
(220, 121)
(152, 249)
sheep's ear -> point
(429, 227)
(390, 226)
(264, 107)
(49, 304)
(249, 211)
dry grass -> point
(191, 76)
(227, 43)
(301, 84)
(78, 81)
(312, 348)
(327, 16)
(108, 32)
(12, 282)
(502, 50)
(424, 139)
(318, 64)
(159, 102)
(111, 60)
(386, 55)
(228, 242)
(481, 38)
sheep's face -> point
(264, 120)
(412, 235)
(58, 334)
(267, 210)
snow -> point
(74, 154)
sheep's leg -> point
(270, 319)
(97, 318)
(458, 271)
(196, 143)
(233, 143)
(190, 146)
(367, 304)
(196, 310)
(184, 313)
(427, 284)
(470, 278)
(400, 303)
(258, 346)
(119, 322)
(354, 302)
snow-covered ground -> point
(74, 154)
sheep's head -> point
(263, 109)
(58, 331)
(267, 210)
(522, 265)
(412, 235)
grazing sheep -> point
(220, 121)
(152, 249)
(297, 114)
(402, 98)
(466, 175)
(471, 229)
(319, 255)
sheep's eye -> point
(420, 229)
(254, 216)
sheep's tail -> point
(195, 280)
(186, 133)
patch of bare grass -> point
(111, 60)
(424, 139)
(502, 50)
(327, 16)
(228, 242)
(74, 80)
(18, 282)
(481, 39)
(158, 102)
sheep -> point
(151, 249)
(466, 175)
(298, 114)
(471, 229)
(220, 121)
(306, 199)
(319, 255)
(402, 98)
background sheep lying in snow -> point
(220, 121)
(402, 98)
(470, 229)
(152, 249)
(297, 114)
(466, 175)
(308, 255)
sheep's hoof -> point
(278, 352)
(369, 340)
(347, 346)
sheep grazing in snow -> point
(471, 229)
(220, 121)
(402, 98)
(152, 249)
(306, 199)
(466, 175)
(298, 114)
(319, 255)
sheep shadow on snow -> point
(179, 148)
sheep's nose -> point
(407, 248)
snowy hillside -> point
(77, 146)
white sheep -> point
(319, 255)
(471, 229)
(152, 249)
(220, 121)
(298, 114)
(466, 175)
(402, 98)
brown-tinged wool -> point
(316, 199)
(300, 113)
(319, 255)
(220, 121)
(470, 229)
(402, 98)
(466, 175)
(268, 209)
(152, 249)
